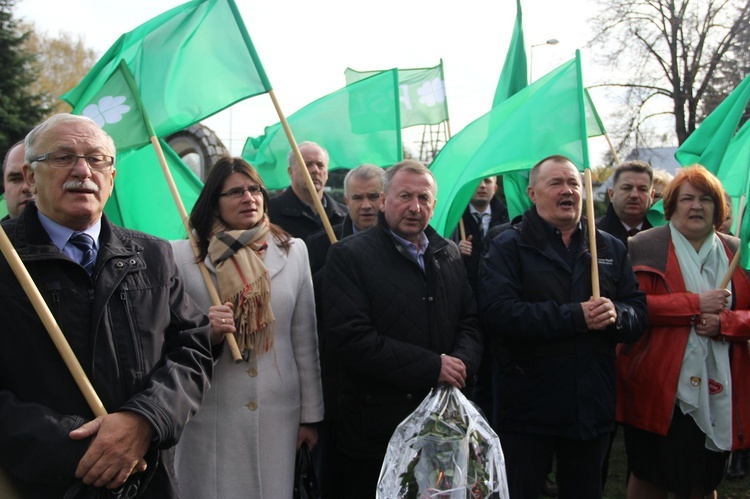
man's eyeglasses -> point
(238, 192)
(98, 162)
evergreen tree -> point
(19, 110)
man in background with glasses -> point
(119, 299)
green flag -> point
(513, 77)
(708, 143)
(715, 145)
(115, 108)
(358, 124)
(189, 63)
(141, 199)
(421, 92)
(546, 118)
(3, 206)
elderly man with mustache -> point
(119, 299)
(294, 210)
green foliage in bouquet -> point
(443, 442)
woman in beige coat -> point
(242, 441)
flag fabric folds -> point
(514, 75)
(513, 79)
(141, 199)
(545, 118)
(189, 63)
(709, 142)
(115, 108)
(715, 145)
(357, 124)
(421, 92)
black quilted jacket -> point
(389, 321)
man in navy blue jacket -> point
(553, 343)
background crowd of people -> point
(340, 341)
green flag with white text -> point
(547, 117)
(421, 93)
(357, 124)
(189, 63)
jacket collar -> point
(31, 240)
(436, 241)
(292, 205)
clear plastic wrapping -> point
(444, 449)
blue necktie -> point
(85, 243)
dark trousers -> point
(359, 476)
(579, 464)
(327, 461)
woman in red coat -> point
(684, 388)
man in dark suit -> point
(630, 198)
(484, 212)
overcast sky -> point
(305, 46)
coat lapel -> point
(275, 258)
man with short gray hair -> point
(119, 299)
(401, 317)
(294, 210)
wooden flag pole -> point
(612, 148)
(230, 339)
(303, 168)
(7, 491)
(50, 324)
(592, 235)
(736, 259)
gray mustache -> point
(76, 185)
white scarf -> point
(704, 390)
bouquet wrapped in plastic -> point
(444, 449)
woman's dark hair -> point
(205, 210)
(703, 180)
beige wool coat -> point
(242, 441)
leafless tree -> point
(665, 54)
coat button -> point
(252, 372)
(429, 298)
(119, 265)
(409, 396)
(252, 406)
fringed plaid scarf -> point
(244, 281)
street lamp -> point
(551, 41)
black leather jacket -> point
(141, 340)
